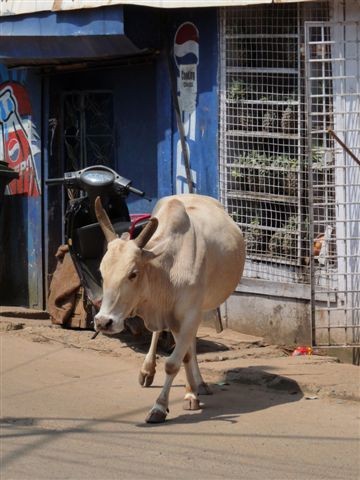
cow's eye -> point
(133, 275)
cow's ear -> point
(148, 255)
(157, 250)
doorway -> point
(99, 116)
(81, 133)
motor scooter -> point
(83, 234)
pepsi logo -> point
(186, 45)
(13, 149)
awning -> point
(17, 7)
(64, 36)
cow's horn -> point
(104, 221)
(147, 232)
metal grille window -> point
(88, 138)
(263, 147)
(333, 86)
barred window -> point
(263, 139)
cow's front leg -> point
(183, 341)
(148, 369)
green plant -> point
(292, 97)
(254, 159)
(238, 90)
(257, 159)
(236, 173)
(253, 235)
(263, 173)
(317, 154)
(288, 178)
(289, 238)
(283, 242)
(284, 161)
(235, 216)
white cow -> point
(193, 260)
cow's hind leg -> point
(202, 387)
(148, 369)
(191, 400)
(183, 341)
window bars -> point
(263, 146)
(288, 76)
(88, 132)
(333, 86)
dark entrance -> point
(100, 116)
(81, 133)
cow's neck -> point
(156, 301)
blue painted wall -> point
(146, 138)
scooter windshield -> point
(97, 178)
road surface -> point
(73, 414)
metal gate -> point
(332, 62)
(88, 134)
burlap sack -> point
(66, 295)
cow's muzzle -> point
(103, 323)
(107, 323)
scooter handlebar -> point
(136, 191)
(55, 181)
(121, 184)
(70, 180)
(124, 185)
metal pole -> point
(344, 146)
(308, 104)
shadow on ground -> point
(141, 342)
(237, 394)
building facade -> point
(259, 85)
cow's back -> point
(213, 248)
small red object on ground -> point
(302, 351)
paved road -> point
(72, 414)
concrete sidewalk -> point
(224, 358)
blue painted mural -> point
(21, 257)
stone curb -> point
(23, 313)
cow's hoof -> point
(191, 403)
(145, 379)
(155, 416)
(204, 389)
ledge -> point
(274, 289)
